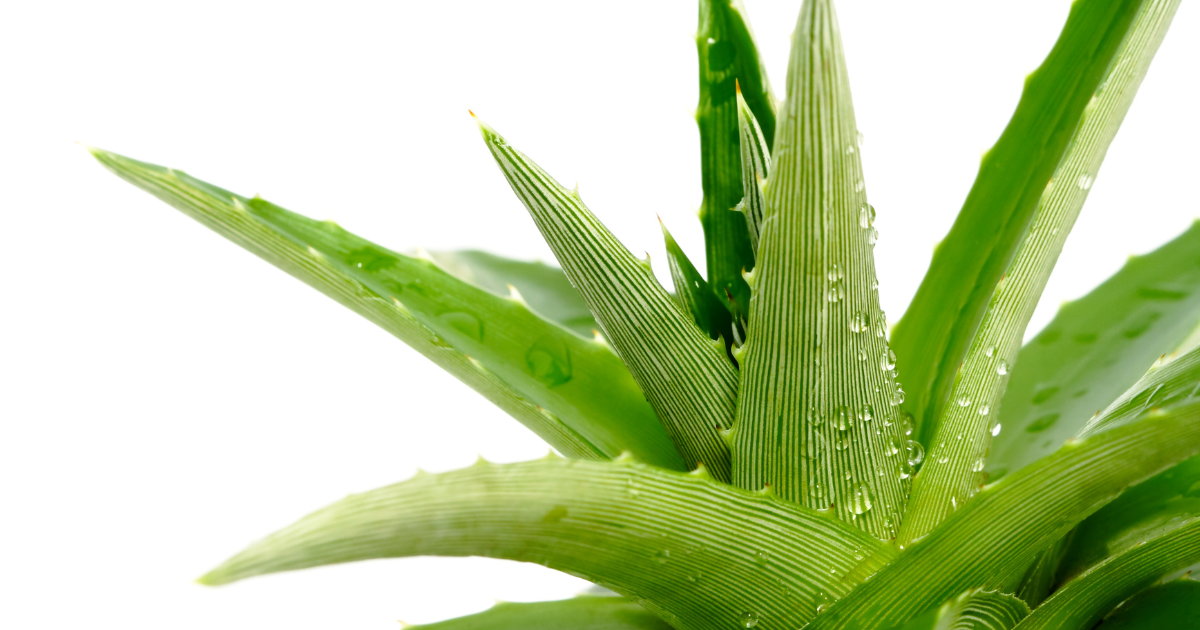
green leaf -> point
(756, 166)
(693, 293)
(937, 329)
(816, 420)
(580, 381)
(1086, 599)
(962, 436)
(978, 610)
(1095, 349)
(580, 613)
(688, 381)
(1039, 580)
(703, 555)
(544, 287)
(728, 57)
(560, 414)
(1163, 387)
(1172, 605)
(992, 540)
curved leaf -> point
(1095, 349)
(1087, 598)
(756, 166)
(580, 613)
(937, 329)
(1172, 605)
(986, 610)
(544, 288)
(993, 539)
(686, 379)
(700, 554)
(693, 293)
(964, 430)
(816, 419)
(228, 215)
(728, 57)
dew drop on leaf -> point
(663, 556)
(841, 418)
(464, 323)
(888, 362)
(996, 430)
(914, 453)
(750, 619)
(862, 499)
(984, 410)
(866, 414)
(549, 361)
(866, 216)
(1085, 181)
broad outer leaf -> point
(693, 293)
(1172, 605)
(756, 165)
(1095, 349)
(961, 439)
(993, 539)
(1086, 599)
(580, 613)
(703, 555)
(937, 329)
(1164, 386)
(1039, 579)
(980, 610)
(728, 57)
(816, 415)
(544, 288)
(580, 381)
(688, 381)
(228, 215)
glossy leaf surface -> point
(580, 613)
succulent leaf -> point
(580, 613)
(816, 414)
(756, 166)
(962, 436)
(1175, 604)
(700, 554)
(976, 610)
(694, 294)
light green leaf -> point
(1095, 349)
(1086, 599)
(962, 436)
(1172, 605)
(993, 539)
(539, 373)
(978, 610)
(688, 381)
(703, 555)
(937, 329)
(756, 165)
(1039, 580)
(728, 57)
(1164, 386)
(580, 381)
(544, 288)
(580, 613)
(694, 294)
(816, 420)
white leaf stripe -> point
(964, 431)
(689, 384)
(756, 165)
(803, 362)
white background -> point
(166, 398)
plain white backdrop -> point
(166, 398)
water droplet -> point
(872, 238)
(464, 323)
(860, 138)
(1002, 367)
(996, 430)
(841, 444)
(816, 491)
(859, 185)
(549, 361)
(841, 418)
(978, 466)
(835, 272)
(943, 459)
(984, 410)
(849, 476)
(836, 291)
(861, 322)
(862, 499)
(906, 422)
(881, 325)
(905, 470)
(761, 557)
(897, 396)
(750, 619)
(914, 453)
(888, 361)
(963, 401)
(990, 351)
(663, 556)
(866, 216)
(893, 446)
(1043, 423)
(1085, 181)
(866, 414)
(862, 356)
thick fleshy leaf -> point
(701, 554)
(544, 288)
(580, 613)
(985, 610)
(994, 538)
(1172, 605)
(756, 166)
(688, 381)
(816, 420)
(1162, 387)
(936, 331)
(1039, 579)
(1095, 349)
(573, 392)
(694, 294)
(1086, 599)
(728, 57)
(964, 430)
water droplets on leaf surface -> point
(984, 410)
(841, 418)
(1002, 367)
(663, 556)
(549, 361)
(963, 401)
(862, 499)
(914, 453)
(861, 322)
(996, 430)
(1085, 181)
(888, 361)
(866, 414)
(464, 323)
(750, 619)
(866, 216)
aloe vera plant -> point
(740, 452)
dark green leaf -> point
(694, 295)
(1171, 605)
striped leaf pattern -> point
(688, 381)
(695, 295)
(756, 165)
(957, 454)
(816, 416)
(977, 610)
